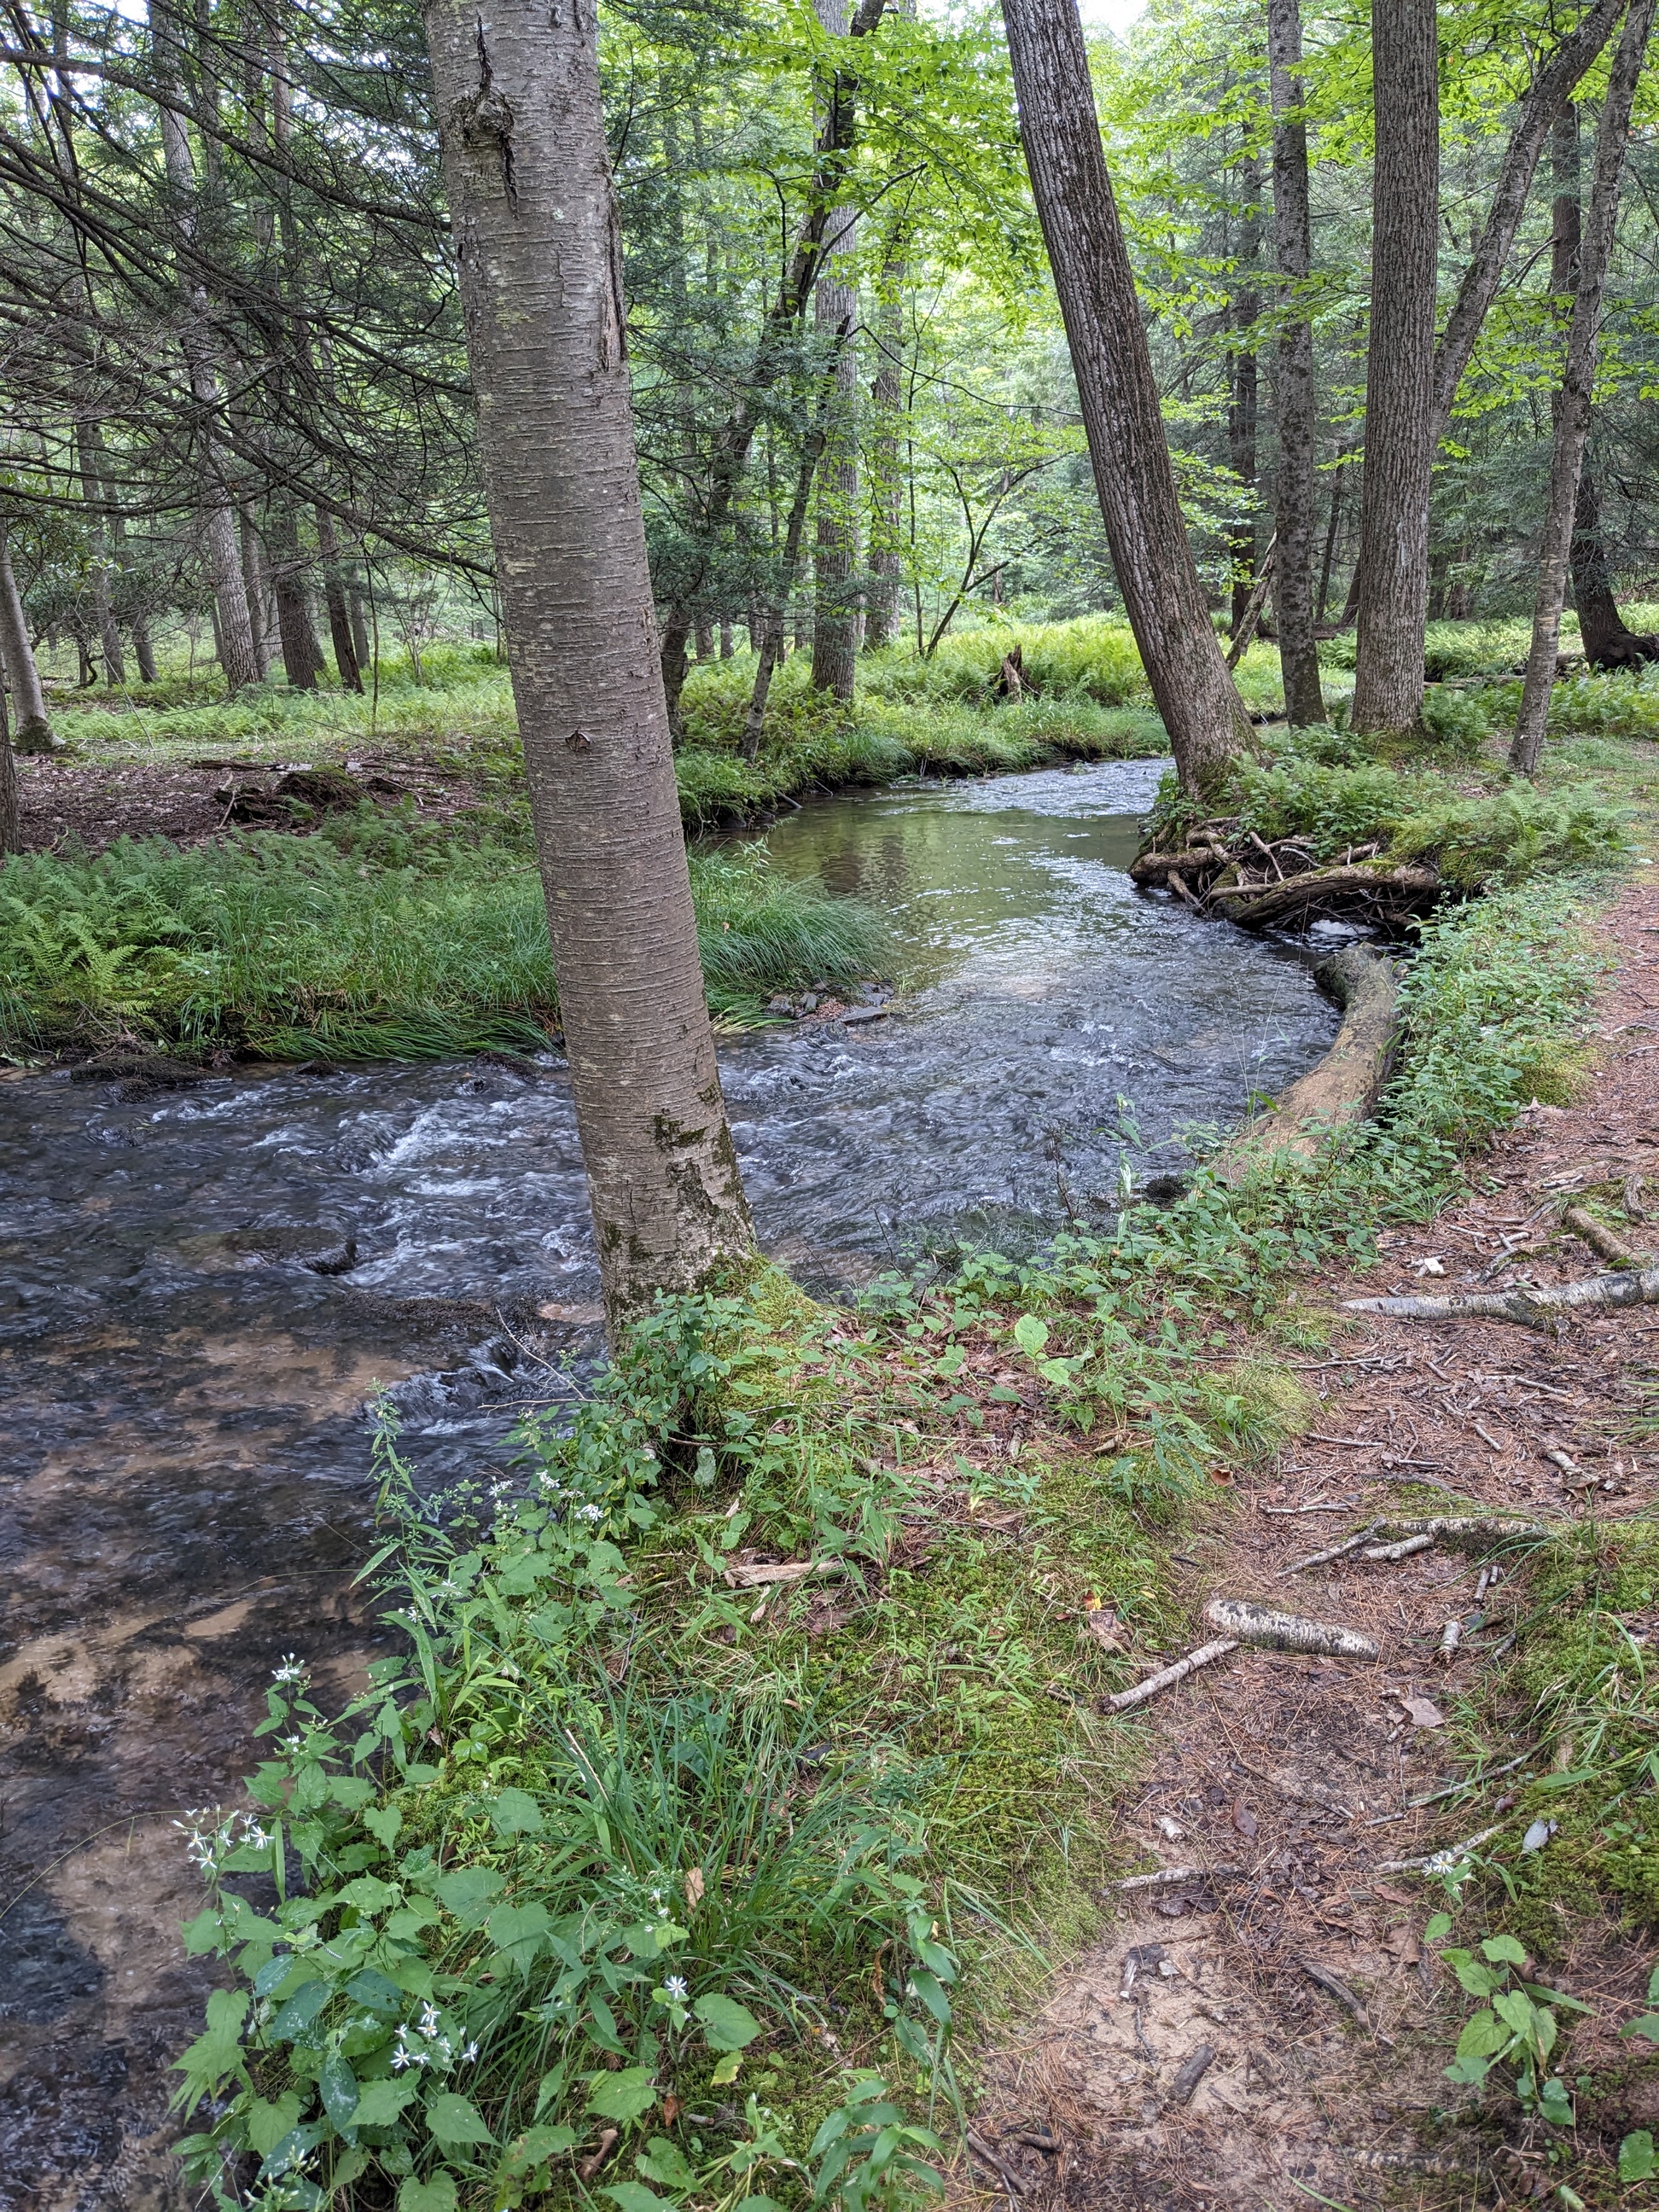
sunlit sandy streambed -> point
(184, 1470)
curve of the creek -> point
(184, 1468)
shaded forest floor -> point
(1286, 1784)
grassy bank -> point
(373, 940)
(643, 1872)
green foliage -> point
(373, 941)
(1516, 2026)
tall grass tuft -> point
(284, 948)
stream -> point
(202, 1289)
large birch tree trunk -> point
(1295, 496)
(1572, 415)
(1118, 391)
(539, 254)
(1400, 408)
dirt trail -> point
(1284, 1781)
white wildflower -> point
(292, 1669)
(677, 1988)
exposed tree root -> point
(1224, 868)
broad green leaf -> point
(1505, 1950)
(456, 2119)
(1647, 2025)
(515, 1813)
(727, 2025)
(1480, 1981)
(383, 1822)
(519, 1931)
(437, 2195)
(1031, 1334)
(633, 2197)
(372, 1988)
(381, 2102)
(1483, 2037)
(535, 2145)
(926, 1987)
(337, 2087)
(368, 1894)
(1554, 2103)
(1637, 2161)
(727, 2070)
(1438, 1926)
(1518, 2011)
(468, 1892)
(302, 2008)
(266, 2125)
(628, 2094)
(664, 2161)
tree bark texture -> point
(1295, 496)
(33, 728)
(89, 442)
(1118, 391)
(233, 625)
(1400, 419)
(772, 650)
(1577, 386)
(1553, 84)
(262, 614)
(1242, 392)
(539, 250)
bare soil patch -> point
(1292, 1955)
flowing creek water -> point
(185, 1467)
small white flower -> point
(676, 1988)
(593, 1513)
(292, 1669)
(468, 2054)
(429, 2022)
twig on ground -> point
(1402, 1550)
(1335, 1987)
(1335, 1552)
(1606, 1242)
(1194, 2066)
(1441, 1857)
(1014, 2183)
(1467, 1530)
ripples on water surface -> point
(185, 1461)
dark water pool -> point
(184, 1468)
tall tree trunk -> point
(835, 554)
(1608, 642)
(88, 440)
(334, 596)
(302, 661)
(361, 643)
(1577, 386)
(1246, 310)
(256, 583)
(539, 249)
(772, 643)
(1118, 391)
(1399, 418)
(233, 625)
(10, 837)
(1295, 498)
(886, 492)
(33, 730)
(832, 153)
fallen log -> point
(1474, 1532)
(1534, 1306)
(1247, 1622)
(1193, 859)
(1605, 1243)
(1344, 1086)
(1255, 906)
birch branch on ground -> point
(1250, 1623)
(1475, 1530)
(1532, 1307)
(1170, 1675)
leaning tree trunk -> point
(1399, 418)
(33, 730)
(539, 249)
(835, 554)
(1118, 391)
(1577, 386)
(1298, 404)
